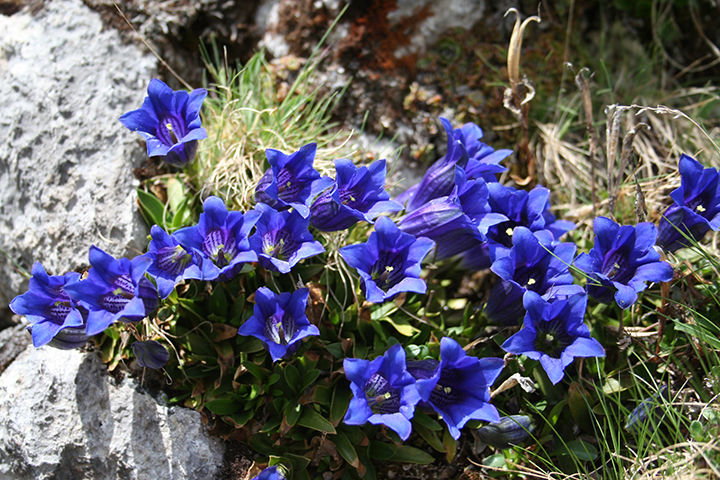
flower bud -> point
(150, 354)
(508, 431)
(69, 338)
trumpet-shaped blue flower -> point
(279, 320)
(697, 205)
(509, 431)
(622, 261)
(522, 209)
(384, 393)
(439, 179)
(465, 152)
(533, 263)
(526, 209)
(483, 160)
(220, 236)
(115, 289)
(282, 239)
(291, 181)
(173, 263)
(270, 473)
(48, 307)
(459, 388)
(150, 354)
(357, 194)
(169, 121)
(389, 262)
(456, 222)
(554, 333)
(679, 227)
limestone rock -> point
(66, 163)
(13, 340)
(64, 418)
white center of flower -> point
(169, 126)
(509, 231)
(389, 268)
(700, 208)
(531, 281)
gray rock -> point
(443, 16)
(62, 417)
(432, 19)
(13, 340)
(66, 163)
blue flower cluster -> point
(458, 210)
(387, 390)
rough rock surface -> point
(13, 340)
(66, 162)
(63, 418)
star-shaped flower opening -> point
(553, 333)
(169, 121)
(389, 262)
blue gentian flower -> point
(679, 227)
(456, 222)
(384, 393)
(358, 194)
(282, 239)
(509, 431)
(389, 262)
(535, 263)
(622, 261)
(291, 181)
(270, 473)
(222, 237)
(521, 208)
(279, 320)
(639, 416)
(439, 179)
(115, 289)
(554, 333)
(483, 160)
(169, 121)
(150, 354)
(459, 389)
(696, 208)
(173, 263)
(48, 307)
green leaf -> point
(427, 421)
(582, 450)
(702, 330)
(399, 453)
(430, 438)
(340, 402)
(697, 431)
(402, 325)
(152, 208)
(313, 420)
(292, 377)
(292, 413)
(176, 193)
(494, 461)
(309, 377)
(450, 445)
(346, 449)
(383, 311)
(223, 406)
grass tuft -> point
(248, 111)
